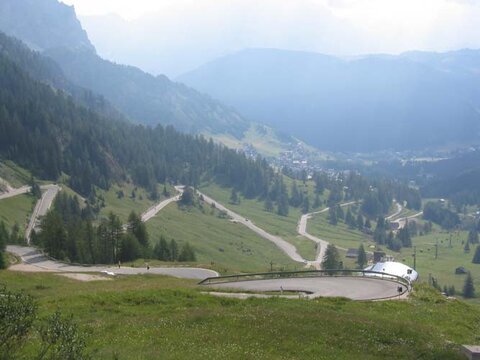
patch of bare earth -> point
(28, 268)
(84, 277)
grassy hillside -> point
(147, 317)
(449, 258)
(340, 235)
(232, 247)
(123, 205)
(13, 174)
(286, 227)
(16, 210)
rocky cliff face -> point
(43, 24)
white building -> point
(394, 268)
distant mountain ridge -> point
(414, 100)
(53, 28)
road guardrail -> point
(307, 274)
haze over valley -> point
(237, 179)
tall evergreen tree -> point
(404, 236)
(268, 204)
(173, 250)
(468, 287)
(476, 257)
(138, 228)
(187, 253)
(306, 205)
(379, 235)
(360, 222)
(349, 219)
(162, 250)
(340, 213)
(234, 197)
(473, 236)
(362, 257)
(466, 248)
(331, 261)
(332, 216)
(368, 224)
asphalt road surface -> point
(34, 258)
(15, 192)
(41, 208)
(355, 288)
(154, 210)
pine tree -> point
(404, 236)
(3, 236)
(131, 248)
(368, 224)
(306, 205)
(476, 257)
(234, 197)
(466, 248)
(136, 227)
(331, 261)
(362, 256)
(360, 222)
(173, 248)
(349, 219)
(268, 204)
(296, 198)
(187, 253)
(340, 213)
(332, 216)
(187, 197)
(161, 250)
(34, 188)
(379, 235)
(317, 203)
(473, 236)
(468, 288)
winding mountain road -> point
(286, 247)
(36, 261)
(41, 208)
(321, 243)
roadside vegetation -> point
(161, 317)
(231, 247)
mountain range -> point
(410, 101)
(53, 29)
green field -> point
(16, 209)
(123, 206)
(148, 317)
(449, 258)
(285, 227)
(340, 235)
(14, 174)
(231, 247)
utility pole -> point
(414, 258)
(436, 250)
(450, 240)
(271, 266)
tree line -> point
(49, 133)
(68, 232)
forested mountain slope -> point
(47, 132)
(52, 27)
(411, 101)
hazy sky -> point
(184, 33)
